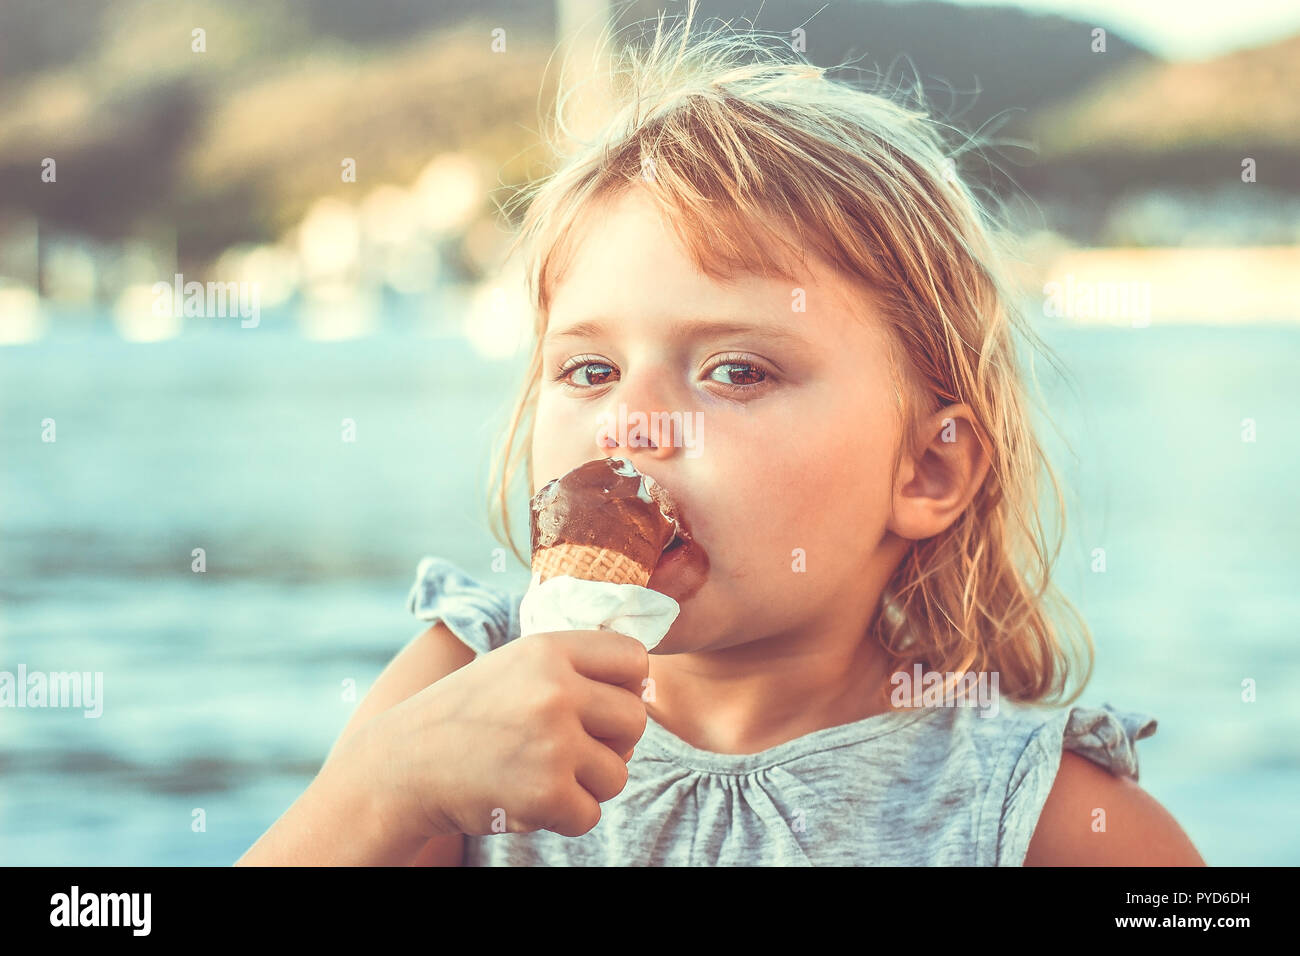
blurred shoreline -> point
(1180, 285)
(1056, 282)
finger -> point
(601, 772)
(609, 657)
(576, 815)
(612, 714)
(613, 745)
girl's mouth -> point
(680, 540)
(681, 570)
(668, 552)
(675, 550)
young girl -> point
(781, 290)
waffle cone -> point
(589, 564)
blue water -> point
(223, 690)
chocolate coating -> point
(605, 503)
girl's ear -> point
(934, 486)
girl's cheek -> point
(559, 416)
(560, 436)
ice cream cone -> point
(589, 564)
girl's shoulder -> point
(481, 612)
(1026, 744)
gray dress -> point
(933, 786)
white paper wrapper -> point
(570, 604)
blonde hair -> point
(751, 148)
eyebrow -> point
(713, 328)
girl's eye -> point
(751, 376)
(738, 374)
(581, 364)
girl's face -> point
(784, 424)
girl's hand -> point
(534, 735)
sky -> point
(1180, 29)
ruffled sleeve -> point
(1106, 736)
(482, 617)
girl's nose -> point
(651, 433)
(642, 422)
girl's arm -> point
(336, 823)
(1139, 831)
(333, 823)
